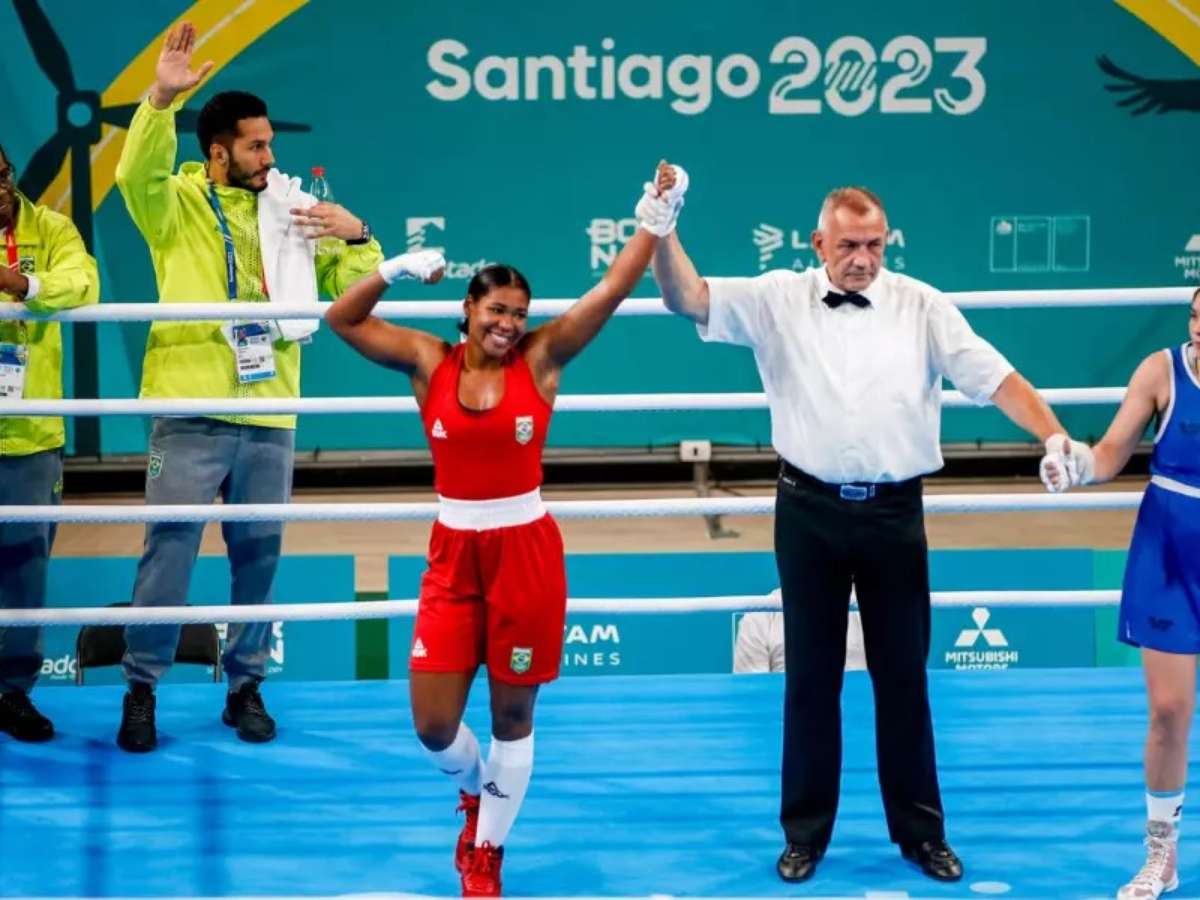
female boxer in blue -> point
(1160, 600)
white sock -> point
(505, 780)
(461, 760)
(1165, 806)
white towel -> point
(288, 254)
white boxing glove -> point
(658, 214)
(424, 265)
(1067, 464)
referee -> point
(852, 358)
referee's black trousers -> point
(823, 543)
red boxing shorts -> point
(497, 596)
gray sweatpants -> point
(192, 461)
(34, 480)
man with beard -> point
(46, 266)
(230, 228)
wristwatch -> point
(363, 238)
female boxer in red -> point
(495, 589)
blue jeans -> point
(34, 480)
(191, 461)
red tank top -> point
(491, 454)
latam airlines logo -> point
(994, 653)
(595, 646)
(769, 240)
(798, 253)
(429, 233)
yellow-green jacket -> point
(50, 249)
(193, 359)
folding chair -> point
(104, 645)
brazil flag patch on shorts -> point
(521, 659)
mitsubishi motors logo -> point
(980, 647)
(993, 637)
(1188, 262)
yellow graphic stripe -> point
(1176, 20)
(222, 33)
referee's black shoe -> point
(798, 862)
(935, 859)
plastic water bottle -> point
(321, 193)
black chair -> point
(104, 645)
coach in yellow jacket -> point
(231, 228)
(44, 264)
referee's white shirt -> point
(855, 392)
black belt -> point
(855, 492)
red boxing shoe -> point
(469, 804)
(482, 878)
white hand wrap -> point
(658, 214)
(1067, 464)
(421, 265)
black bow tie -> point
(833, 301)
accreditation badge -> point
(254, 352)
(14, 360)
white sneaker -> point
(1160, 873)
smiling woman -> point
(495, 590)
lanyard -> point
(10, 243)
(227, 237)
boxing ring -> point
(642, 786)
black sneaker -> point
(244, 711)
(20, 719)
(138, 734)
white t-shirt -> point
(759, 643)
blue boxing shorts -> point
(1160, 599)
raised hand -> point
(666, 177)
(173, 74)
(425, 265)
(658, 209)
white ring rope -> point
(563, 509)
(151, 311)
(214, 406)
(386, 609)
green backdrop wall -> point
(989, 128)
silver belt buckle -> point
(855, 492)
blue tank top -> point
(1177, 445)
